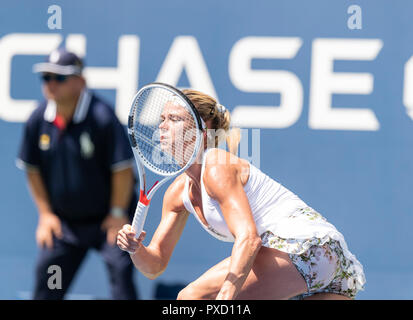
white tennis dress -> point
(277, 210)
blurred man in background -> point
(79, 167)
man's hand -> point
(112, 225)
(49, 225)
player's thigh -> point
(273, 276)
(208, 285)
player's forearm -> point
(243, 255)
(122, 184)
(148, 262)
(38, 192)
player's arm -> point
(223, 183)
(153, 259)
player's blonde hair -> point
(219, 117)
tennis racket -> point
(165, 133)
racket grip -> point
(139, 218)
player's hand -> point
(126, 240)
(49, 225)
(112, 225)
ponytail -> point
(220, 118)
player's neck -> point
(194, 172)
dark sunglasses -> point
(60, 78)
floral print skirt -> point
(321, 262)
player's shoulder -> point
(219, 160)
(220, 168)
(173, 195)
(176, 187)
(214, 154)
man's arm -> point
(38, 192)
(49, 223)
(121, 185)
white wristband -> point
(117, 212)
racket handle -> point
(139, 218)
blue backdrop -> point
(338, 133)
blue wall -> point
(358, 177)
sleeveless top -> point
(270, 204)
(277, 210)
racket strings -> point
(165, 130)
(156, 150)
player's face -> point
(177, 130)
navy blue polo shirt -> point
(76, 162)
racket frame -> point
(141, 162)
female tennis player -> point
(283, 249)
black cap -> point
(60, 61)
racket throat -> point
(143, 198)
